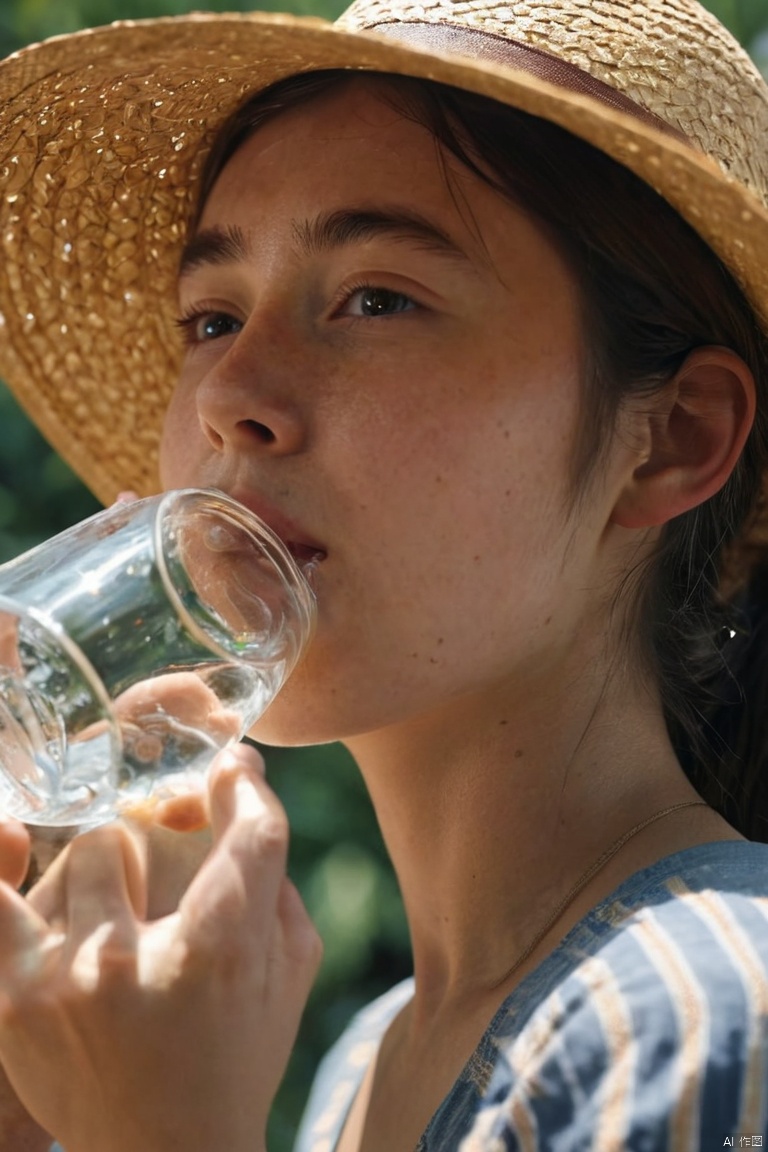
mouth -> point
(306, 552)
(307, 558)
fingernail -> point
(249, 798)
(229, 760)
(238, 758)
(251, 755)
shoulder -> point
(342, 1069)
(656, 1037)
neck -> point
(491, 813)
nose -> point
(245, 403)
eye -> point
(370, 301)
(201, 327)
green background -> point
(337, 858)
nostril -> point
(264, 434)
(215, 438)
(278, 433)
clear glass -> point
(136, 645)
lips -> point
(304, 553)
(307, 553)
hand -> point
(18, 1131)
(172, 1033)
(167, 706)
(172, 855)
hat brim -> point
(102, 138)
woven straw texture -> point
(102, 136)
(669, 56)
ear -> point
(692, 435)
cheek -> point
(477, 471)
(181, 434)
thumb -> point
(235, 760)
(14, 852)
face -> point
(383, 360)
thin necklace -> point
(582, 882)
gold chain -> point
(582, 882)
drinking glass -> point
(134, 646)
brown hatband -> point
(453, 40)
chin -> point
(289, 722)
(277, 736)
(324, 705)
(297, 719)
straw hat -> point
(102, 135)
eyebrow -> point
(229, 244)
(214, 246)
(355, 226)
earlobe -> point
(694, 432)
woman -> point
(445, 336)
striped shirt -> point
(646, 1030)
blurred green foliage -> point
(745, 18)
(24, 21)
(337, 857)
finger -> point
(23, 938)
(225, 770)
(104, 885)
(14, 852)
(173, 860)
(182, 696)
(9, 642)
(224, 724)
(45, 845)
(47, 896)
(231, 904)
(187, 813)
(302, 944)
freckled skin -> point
(466, 643)
(477, 383)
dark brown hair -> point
(652, 291)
